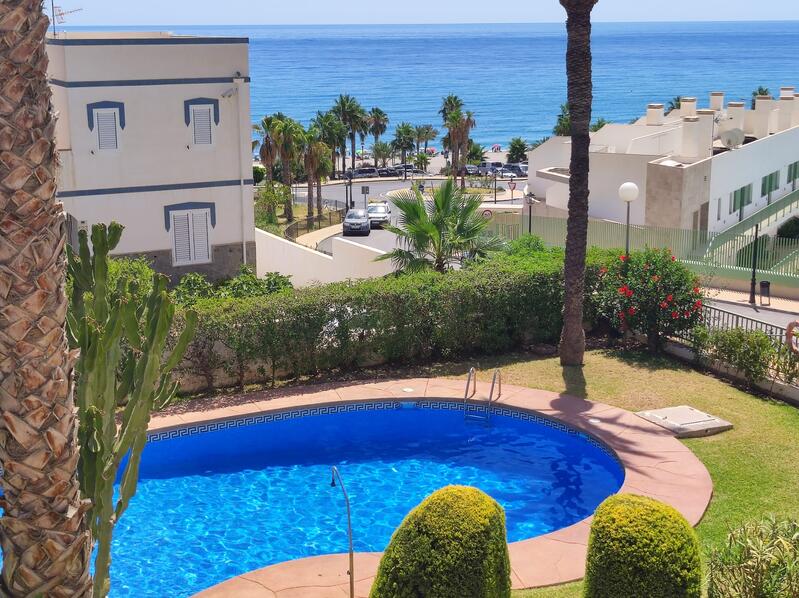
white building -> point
(696, 169)
(154, 132)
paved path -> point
(780, 313)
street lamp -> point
(334, 474)
(628, 193)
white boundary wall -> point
(306, 266)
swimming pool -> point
(220, 499)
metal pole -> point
(627, 235)
(335, 474)
(530, 218)
(753, 284)
(495, 187)
(52, 16)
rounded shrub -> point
(450, 546)
(641, 547)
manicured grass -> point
(754, 467)
(300, 212)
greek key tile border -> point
(447, 405)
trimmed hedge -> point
(491, 307)
(451, 546)
(641, 547)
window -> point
(740, 198)
(718, 210)
(201, 121)
(106, 129)
(770, 183)
(793, 174)
(190, 239)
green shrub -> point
(191, 288)
(258, 173)
(751, 352)
(653, 293)
(759, 560)
(136, 270)
(640, 547)
(247, 284)
(450, 546)
(789, 229)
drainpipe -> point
(237, 81)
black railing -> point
(715, 318)
(301, 226)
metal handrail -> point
(497, 376)
(472, 379)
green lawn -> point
(755, 467)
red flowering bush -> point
(651, 292)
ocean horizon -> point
(512, 76)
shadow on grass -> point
(639, 357)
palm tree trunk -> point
(343, 158)
(310, 197)
(333, 161)
(288, 205)
(45, 541)
(580, 97)
(319, 195)
(352, 143)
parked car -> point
(517, 169)
(386, 172)
(365, 173)
(379, 214)
(356, 222)
(471, 170)
(487, 168)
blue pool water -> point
(216, 504)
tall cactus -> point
(122, 376)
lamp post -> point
(753, 283)
(628, 193)
(334, 474)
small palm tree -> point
(600, 122)
(315, 151)
(421, 161)
(334, 134)
(476, 153)
(404, 140)
(674, 104)
(439, 234)
(266, 146)
(517, 150)
(382, 151)
(289, 136)
(760, 91)
(539, 142)
(563, 126)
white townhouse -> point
(697, 169)
(154, 132)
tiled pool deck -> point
(655, 463)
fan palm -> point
(426, 134)
(382, 151)
(334, 134)
(449, 104)
(352, 114)
(674, 104)
(439, 234)
(580, 98)
(476, 153)
(266, 146)
(315, 151)
(45, 541)
(289, 137)
(517, 150)
(460, 124)
(404, 140)
(377, 123)
(563, 126)
(760, 91)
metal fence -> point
(720, 319)
(306, 225)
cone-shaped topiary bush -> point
(453, 545)
(641, 547)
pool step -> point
(480, 412)
(476, 412)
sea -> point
(511, 76)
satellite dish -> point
(732, 138)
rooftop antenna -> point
(60, 15)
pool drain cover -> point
(686, 422)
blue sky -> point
(206, 12)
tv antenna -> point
(59, 15)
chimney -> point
(717, 101)
(654, 114)
(687, 106)
(736, 111)
(690, 137)
(787, 92)
(762, 119)
(785, 117)
(706, 132)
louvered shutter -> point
(106, 129)
(181, 233)
(201, 117)
(199, 220)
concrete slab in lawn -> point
(686, 422)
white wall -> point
(553, 152)
(749, 164)
(306, 267)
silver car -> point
(379, 214)
(356, 222)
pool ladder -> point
(477, 412)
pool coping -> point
(656, 464)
